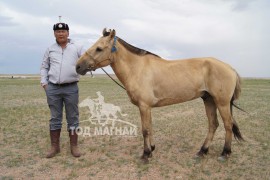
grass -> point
(179, 131)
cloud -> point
(234, 31)
(6, 22)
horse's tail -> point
(237, 91)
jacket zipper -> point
(61, 65)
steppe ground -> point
(179, 131)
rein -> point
(114, 80)
(114, 49)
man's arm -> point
(44, 69)
(81, 50)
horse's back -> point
(187, 79)
(208, 67)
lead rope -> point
(91, 74)
(114, 80)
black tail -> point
(232, 104)
(236, 132)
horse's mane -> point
(134, 49)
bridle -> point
(114, 49)
(97, 63)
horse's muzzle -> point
(80, 70)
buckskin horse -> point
(151, 81)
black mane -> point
(134, 49)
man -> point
(59, 79)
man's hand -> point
(45, 86)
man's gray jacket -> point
(59, 65)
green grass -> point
(179, 131)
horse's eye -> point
(98, 49)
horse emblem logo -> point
(100, 112)
(105, 119)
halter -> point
(96, 63)
(114, 49)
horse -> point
(151, 81)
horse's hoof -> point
(201, 154)
(145, 160)
(147, 154)
(153, 148)
(198, 156)
(222, 158)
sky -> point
(234, 31)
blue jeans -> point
(59, 97)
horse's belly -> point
(170, 101)
(166, 102)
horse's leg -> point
(151, 136)
(211, 112)
(225, 113)
(145, 112)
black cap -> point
(60, 26)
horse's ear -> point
(113, 33)
(105, 32)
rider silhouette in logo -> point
(100, 111)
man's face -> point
(61, 36)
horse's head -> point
(99, 55)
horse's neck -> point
(124, 64)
